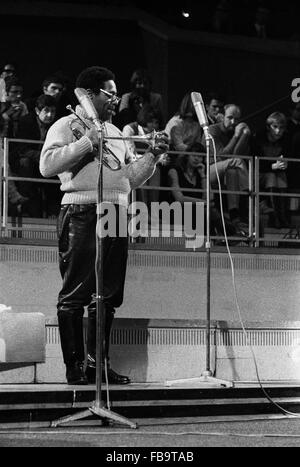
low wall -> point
(159, 332)
(166, 284)
(167, 350)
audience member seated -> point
(231, 139)
(34, 126)
(8, 72)
(54, 86)
(187, 131)
(273, 141)
(148, 120)
(189, 173)
(141, 85)
(65, 97)
(173, 121)
(12, 109)
(16, 201)
(214, 108)
(129, 114)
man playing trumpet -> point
(73, 157)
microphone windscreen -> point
(86, 102)
(199, 108)
(196, 97)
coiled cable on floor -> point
(284, 411)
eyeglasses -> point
(277, 127)
(113, 97)
(54, 87)
(17, 93)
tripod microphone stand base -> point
(206, 379)
(101, 412)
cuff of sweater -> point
(84, 145)
(150, 157)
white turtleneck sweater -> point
(62, 152)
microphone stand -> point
(98, 407)
(207, 375)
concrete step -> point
(35, 405)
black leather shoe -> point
(115, 378)
(75, 374)
(112, 376)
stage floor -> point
(37, 388)
(176, 417)
(39, 405)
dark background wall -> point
(41, 45)
(252, 79)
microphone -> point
(200, 111)
(88, 106)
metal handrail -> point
(5, 178)
(253, 193)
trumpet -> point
(151, 138)
(109, 158)
(78, 127)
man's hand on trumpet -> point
(160, 146)
(92, 134)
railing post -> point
(256, 202)
(252, 231)
(1, 180)
(132, 238)
(5, 186)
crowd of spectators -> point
(140, 112)
(279, 139)
(28, 118)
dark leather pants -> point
(77, 256)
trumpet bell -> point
(111, 161)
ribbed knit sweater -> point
(62, 152)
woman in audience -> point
(141, 86)
(129, 114)
(273, 142)
(189, 174)
(186, 131)
(148, 120)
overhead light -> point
(185, 14)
